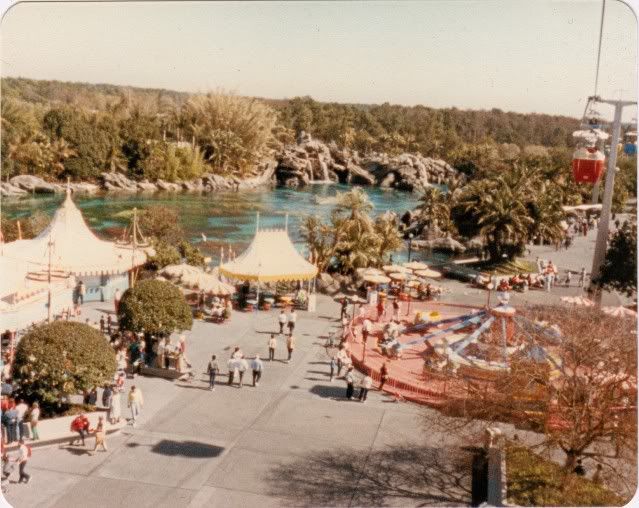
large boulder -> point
(146, 186)
(168, 186)
(34, 184)
(84, 188)
(10, 191)
(117, 182)
(359, 176)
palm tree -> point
(434, 210)
(390, 240)
(355, 202)
(500, 211)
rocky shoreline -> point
(306, 162)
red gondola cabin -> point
(587, 165)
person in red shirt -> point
(80, 424)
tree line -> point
(79, 130)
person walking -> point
(568, 278)
(344, 309)
(350, 383)
(212, 370)
(231, 367)
(365, 385)
(257, 366)
(272, 344)
(380, 309)
(396, 309)
(582, 278)
(100, 436)
(242, 367)
(333, 366)
(367, 327)
(292, 319)
(136, 401)
(24, 454)
(80, 424)
(117, 296)
(282, 320)
(102, 324)
(34, 418)
(21, 409)
(383, 376)
(115, 408)
(81, 292)
(290, 346)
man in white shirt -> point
(282, 319)
(366, 384)
(272, 344)
(292, 319)
(21, 409)
(257, 366)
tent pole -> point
(257, 297)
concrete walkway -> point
(294, 440)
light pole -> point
(606, 205)
(410, 245)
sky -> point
(516, 55)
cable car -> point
(630, 143)
(587, 164)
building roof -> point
(270, 257)
(74, 248)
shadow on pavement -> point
(192, 449)
(329, 392)
(398, 476)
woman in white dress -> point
(115, 409)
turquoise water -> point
(225, 218)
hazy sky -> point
(516, 55)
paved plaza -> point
(292, 441)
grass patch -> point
(534, 481)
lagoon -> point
(225, 218)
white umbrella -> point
(377, 279)
(398, 276)
(365, 272)
(578, 300)
(211, 284)
(179, 271)
(415, 265)
(396, 269)
(433, 274)
(619, 311)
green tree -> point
(155, 307)
(619, 270)
(164, 255)
(61, 359)
(233, 132)
(162, 223)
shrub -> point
(60, 359)
(155, 307)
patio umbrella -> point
(179, 271)
(578, 300)
(398, 276)
(433, 274)
(365, 272)
(377, 279)
(396, 269)
(415, 265)
(619, 312)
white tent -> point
(73, 248)
(270, 257)
(194, 277)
